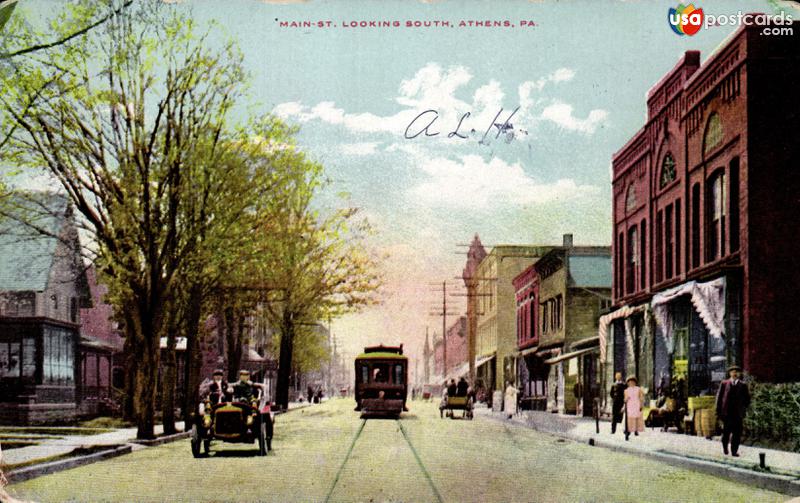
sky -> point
(577, 77)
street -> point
(419, 458)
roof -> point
(592, 270)
(28, 239)
(381, 356)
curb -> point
(163, 440)
(773, 482)
(34, 471)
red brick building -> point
(456, 350)
(705, 195)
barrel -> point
(698, 422)
(709, 422)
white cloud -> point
(561, 114)
(474, 183)
(362, 148)
(436, 88)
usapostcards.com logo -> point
(685, 20)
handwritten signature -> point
(423, 124)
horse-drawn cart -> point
(454, 403)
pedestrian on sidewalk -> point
(510, 400)
(733, 398)
(617, 401)
(634, 400)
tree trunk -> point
(285, 362)
(194, 356)
(233, 336)
(144, 320)
(128, 409)
(146, 377)
(169, 377)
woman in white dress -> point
(510, 400)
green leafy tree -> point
(116, 116)
(314, 265)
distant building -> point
(475, 255)
(496, 341)
(43, 286)
(101, 365)
(559, 299)
(705, 197)
(456, 351)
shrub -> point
(773, 415)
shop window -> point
(668, 171)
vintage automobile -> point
(234, 419)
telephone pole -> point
(443, 313)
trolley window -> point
(398, 374)
(364, 374)
(380, 372)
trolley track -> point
(413, 450)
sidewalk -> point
(783, 468)
(50, 447)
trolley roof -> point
(382, 355)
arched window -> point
(716, 214)
(630, 198)
(713, 135)
(668, 171)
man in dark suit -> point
(617, 401)
(733, 398)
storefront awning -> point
(483, 359)
(606, 319)
(707, 298)
(567, 356)
(528, 351)
(463, 369)
(584, 343)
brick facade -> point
(708, 189)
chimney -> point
(567, 241)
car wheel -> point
(262, 439)
(195, 439)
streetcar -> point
(381, 381)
